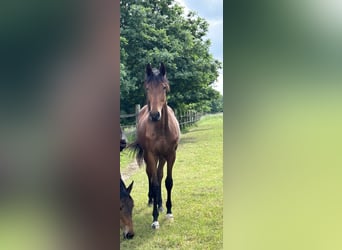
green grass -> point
(197, 194)
(125, 159)
(282, 172)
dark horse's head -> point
(126, 201)
(126, 208)
(123, 140)
(156, 86)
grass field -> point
(282, 171)
(197, 194)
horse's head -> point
(126, 208)
(156, 86)
(123, 140)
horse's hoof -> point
(161, 209)
(155, 225)
(169, 217)
(150, 203)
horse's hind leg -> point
(169, 184)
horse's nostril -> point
(129, 236)
(155, 116)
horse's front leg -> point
(169, 184)
(150, 193)
(160, 173)
(156, 196)
(151, 170)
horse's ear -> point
(148, 69)
(162, 69)
(129, 189)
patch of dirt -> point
(130, 170)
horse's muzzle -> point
(155, 116)
(128, 236)
(123, 144)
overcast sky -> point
(212, 11)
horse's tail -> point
(138, 151)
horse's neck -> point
(165, 119)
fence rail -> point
(188, 118)
(185, 119)
(127, 116)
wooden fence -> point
(185, 119)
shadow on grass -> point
(188, 129)
(188, 140)
(192, 139)
(198, 130)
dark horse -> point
(126, 201)
(157, 139)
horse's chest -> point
(154, 136)
(157, 140)
(158, 143)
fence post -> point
(137, 110)
(181, 120)
(188, 117)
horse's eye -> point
(121, 208)
(164, 87)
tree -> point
(217, 105)
(158, 31)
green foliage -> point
(217, 105)
(158, 31)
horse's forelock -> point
(156, 79)
(155, 71)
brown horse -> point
(158, 135)
(126, 201)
